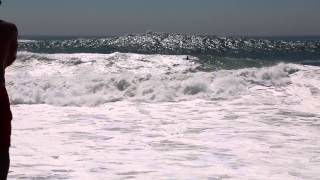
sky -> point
(116, 17)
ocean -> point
(165, 106)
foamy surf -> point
(197, 139)
(95, 79)
(126, 115)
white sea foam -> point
(26, 41)
(120, 116)
(236, 139)
(95, 79)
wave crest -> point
(103, 78)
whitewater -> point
(154, 116)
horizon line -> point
(207, 34)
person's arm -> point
(3, 50)
(12, 54)
(8, 46)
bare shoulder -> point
(8, 30)
(8, 25)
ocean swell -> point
(174, 44)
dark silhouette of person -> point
(8, 51)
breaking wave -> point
(88, 79)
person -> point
(8, 51)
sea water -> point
(165, 106)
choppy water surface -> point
(144, 116)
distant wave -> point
(165, 43)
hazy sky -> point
(110, 17)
